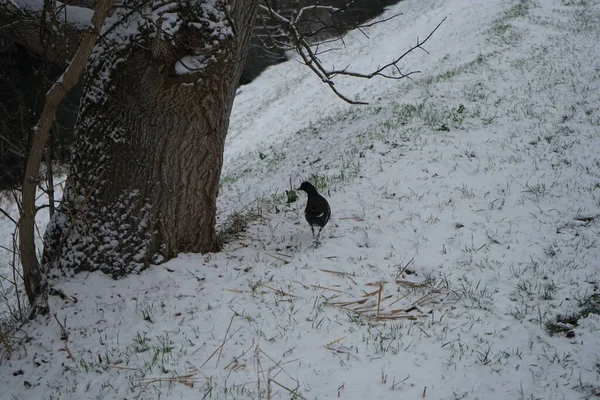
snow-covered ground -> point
(466, 208)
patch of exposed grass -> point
(235, 224)
(453, 72)
(564, 324)
(503, 30)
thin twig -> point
(7, 215)
(64, 335)
(279, 291)
(294, 393)
(278, 258)
(224, 337)
(379, 299)
(217, 349)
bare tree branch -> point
(309, 52)
(393, 63)
(7, 215)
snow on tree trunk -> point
(144, 177)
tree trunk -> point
(149, 138)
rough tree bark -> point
(158, 92)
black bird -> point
(317, 211)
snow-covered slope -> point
(465, 220)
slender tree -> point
(31, 271)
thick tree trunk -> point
(150, 136)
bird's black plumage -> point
(317, 211)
